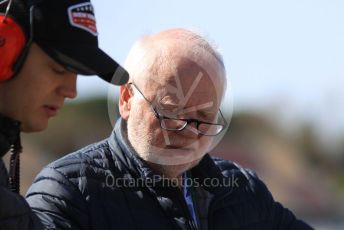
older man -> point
(153, 172)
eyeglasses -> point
(176, 124)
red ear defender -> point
(12, 41)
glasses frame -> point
(161, 117)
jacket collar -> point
(126, 154)
(205, 170)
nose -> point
(68, 86)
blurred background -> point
(285, 69)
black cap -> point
(66, 30)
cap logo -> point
(82, 16)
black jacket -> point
(15, 213)
(99, 187)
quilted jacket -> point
(79, 191)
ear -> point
(124, 104)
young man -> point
(153, 171)
(44, 44)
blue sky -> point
(286, 56)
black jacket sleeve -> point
(15, 213)
(56, 200)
